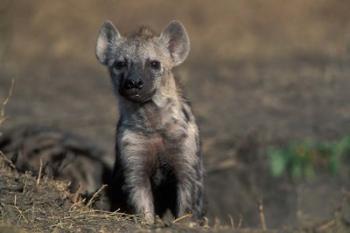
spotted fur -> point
(158, 159)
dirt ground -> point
(260, 74)
(29, 206)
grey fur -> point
(63, 155)
(157, 144)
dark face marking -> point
(137, 69)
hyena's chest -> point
(159, 143)
(158, 133)
(155, 154)
(162, 144)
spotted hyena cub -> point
(158, 160)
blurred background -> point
(269, 82)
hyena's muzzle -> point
(135, 85)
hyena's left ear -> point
(175, 38)
(107, 41)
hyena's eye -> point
(120, 64)
(155, 64)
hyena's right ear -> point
(107, 41)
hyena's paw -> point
(148, 218)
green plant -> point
(304, 159)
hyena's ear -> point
(107, 41)
(175, 38)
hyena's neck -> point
(165, 106)
(168, 92)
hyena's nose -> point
(130, 84)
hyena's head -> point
(138, 63)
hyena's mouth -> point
(137, 96)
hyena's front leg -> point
(140, 194)
(190, 177)
(136, 172)
(190, 192)
(198, 194)
(185, 188)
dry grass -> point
(47, 207)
